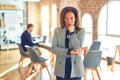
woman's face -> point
(69, 19)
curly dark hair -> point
(75, 12)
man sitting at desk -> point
(26, 38)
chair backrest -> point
(44, 38)
(22, 52)
(93, 57)
(95, 45)
(34, 55)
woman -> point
(66, 44)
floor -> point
(9, 67)
(8, 59)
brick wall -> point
(63, 3)
(91, 6)
(34, 16)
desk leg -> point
(119, 53)
(113, 62)
(117, 50)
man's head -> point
(30, 27)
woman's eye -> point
(71, 17)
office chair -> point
(35, 61)
(23, 54)
(93, 58)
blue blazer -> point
(26, 39)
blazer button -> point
(59, 62)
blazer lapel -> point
(63, 34)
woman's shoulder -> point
(82, 29)
(79, 30)
(59, 28)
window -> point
(113, 18)
(54, 18)
(108, 27)
(102, 20)
(87, 23)
(45, 20)
(109, 19)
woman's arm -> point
(76, 41)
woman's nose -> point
(69, 21)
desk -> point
(116, 51)
(8, 46)
(45, 47)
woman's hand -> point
(71, 28)
(76, 52)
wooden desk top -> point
(45, 47)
